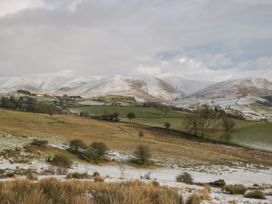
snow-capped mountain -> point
(185, 86)
(240, 94)
(162, 88)
(237, 88)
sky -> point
(211, 40)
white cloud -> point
(148, 70)
(13, 6)
(201, 39)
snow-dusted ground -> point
(166, 175)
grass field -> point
(124, 137)
(257, 135)
(246, 133)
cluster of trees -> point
(204, 118)
(94, 152)
(28, 104)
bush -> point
(76, 144)
(40, 143)
(131, 116)
(95, 152)
(142, 154)
(236, 189)
(141, 133)
(167, 125)
(185, 178)
(62, 161)
(257, 194)
(194, 199)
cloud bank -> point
(208, 40)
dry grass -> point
(194, 199)
(52, 191)
(236, 189)
(124, 137)
(256, 194)
(206, 193)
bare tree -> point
(200, 120)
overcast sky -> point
(200, 39)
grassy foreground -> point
(124, 137)
(52, 191)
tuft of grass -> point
(256, 194)
(185, 178)
(194, 199)
(236, 189)
(206, 193)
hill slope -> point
(240, 95)
(162, 88)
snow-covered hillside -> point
(240, 95)
(162, 88)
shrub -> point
(236, 189)
(257, 194)
(95, 152)
(185, 178)
(131, 116)
(76, 144)
(167, 125)
(141, 133)
(62, 161)
(142, 154)
(194, 199)
(40, 143)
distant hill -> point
(163, 88)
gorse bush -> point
(236, 189)
(52, 191)
(62, 161)
(185, 178)
(256, 194)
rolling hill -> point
(162, 88)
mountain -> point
(163, 88)
(184, 85)
(240, 94)
(237, 88)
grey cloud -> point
(119, 36)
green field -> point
(256, 136)
(144, 115)
(246, 133)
